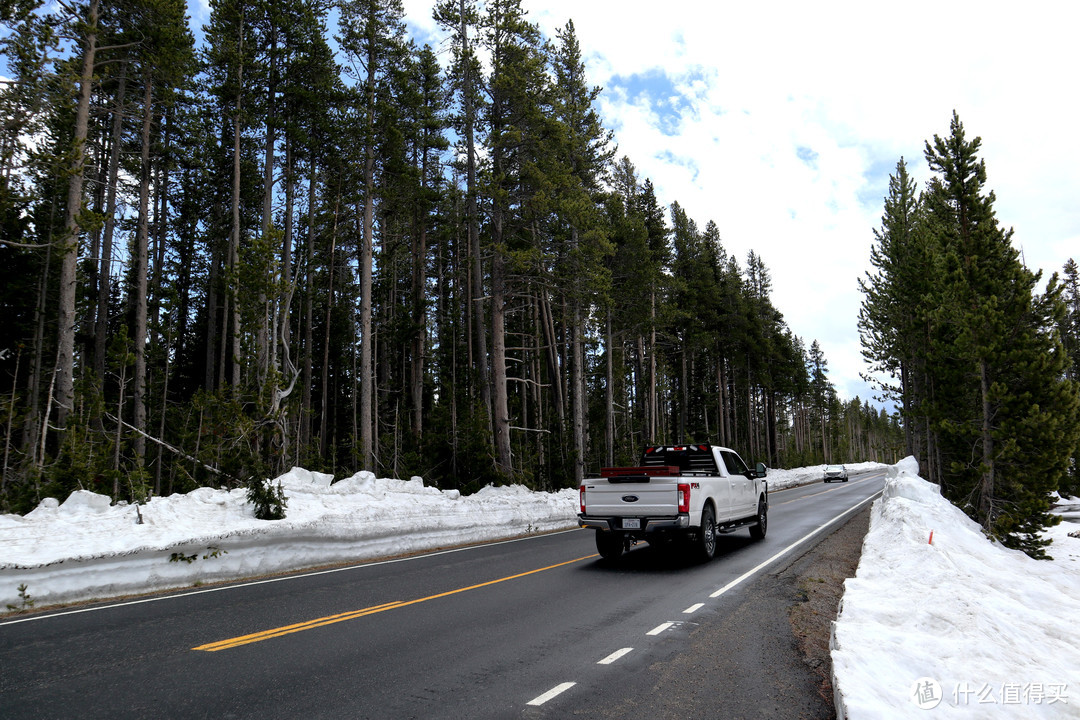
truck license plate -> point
(631, 524)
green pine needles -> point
(953, 313)
(25, 601)
(268, 499)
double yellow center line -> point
(341, 617)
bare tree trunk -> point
(309, 313)
(986, 481)
(640, 389)
(682, 432)
(419, 311)
(366, 253)
(233, 304)
(501, 408)
(31, 424)
(475, 310)
(547, 321)
(653, 400)
(537, 394)
(609, 395)
(141, 262)
(161, 424)
(263, 360)
(69, 241)
(577, 380)
(721, 381)
(105, 264)
(324, 415)
(364, 372)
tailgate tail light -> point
(684, 497)
(581, 495)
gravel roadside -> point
(818, 580)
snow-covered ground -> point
(956, 627)
(86, 548)
(960, 623)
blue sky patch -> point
(684, 162)
(657, 89)
(808, 156)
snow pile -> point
(961, 625)
(84, 548)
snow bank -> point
(959, 624)
(84, 548)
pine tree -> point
(519, 91)
(68, 244)
(372, 37)
(583, 155)
(824, 395)
(889, 316)
(165, 60)
(1011, 421)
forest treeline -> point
(298, 244)
(986, 366)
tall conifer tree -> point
(1010, 423)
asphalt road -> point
(538, 627)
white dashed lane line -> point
(552, 693)
(614, 656)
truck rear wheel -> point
(609, 544)
(758, 531)
(706, 535)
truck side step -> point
(737, 525)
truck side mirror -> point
(760, 471)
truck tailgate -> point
(656, 498)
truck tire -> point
(609, 544)
(757, 531)
(706, 535)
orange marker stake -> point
(931, 538)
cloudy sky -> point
(782, 120)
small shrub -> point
(268, 499)
(25, 601)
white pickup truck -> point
(684, 492)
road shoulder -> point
(765, 652)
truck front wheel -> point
(757, 531)
(609, 544)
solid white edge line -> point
(614, 656)
(791, 547)
(553, 692)
(693, 608)
(660, 628)
(290, 575)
